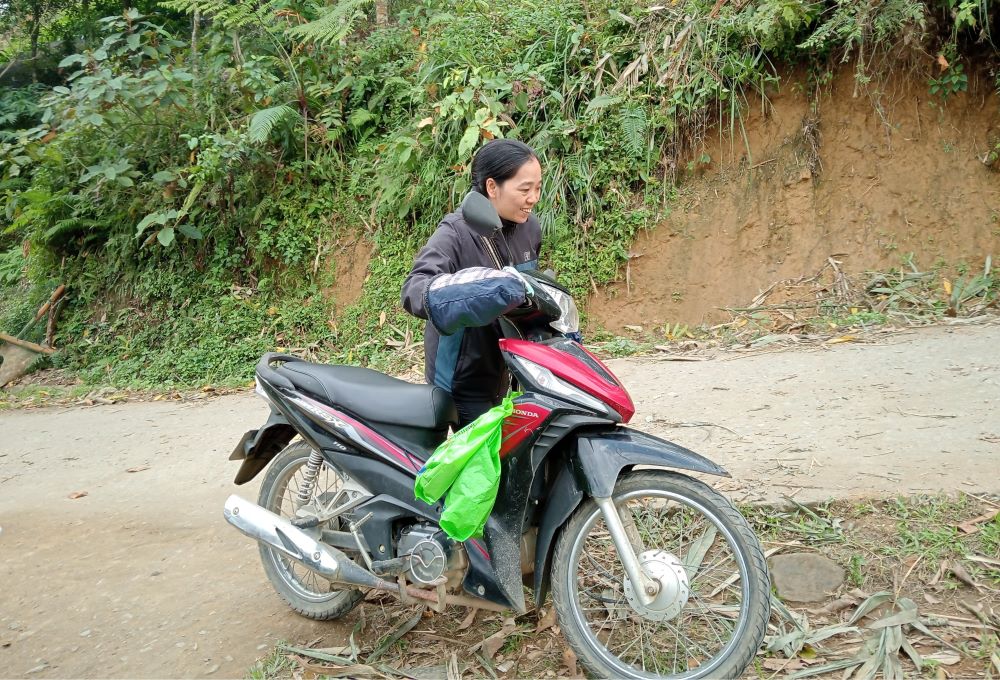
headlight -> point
(549, 382)
(569, 320)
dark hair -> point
(499, 159)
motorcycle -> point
(652, 573)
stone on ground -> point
(805, 577)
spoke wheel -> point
(708, 615)
(305, 591)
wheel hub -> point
(672, 583)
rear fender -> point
(258, 447)
(596, 460)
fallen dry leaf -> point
(546, 621)
(942, 570)
(569, 661)
(944, 658)
(959, 572)
(78, 494)
(838, 605)
(842, 338)
(782, 664)
(468, 620)
(942, 62)
(139, 468)
(984, 560)
(492, 644)
(970, 526)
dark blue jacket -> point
(460, 339)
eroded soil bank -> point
(848, 180)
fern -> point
(14, 184)
(226, 13)
(11, 266)
(601, 102)
(333, 25)
(65, 227)
(634, 126)
(265, 120)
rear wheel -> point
(712, 600)
(305, 591)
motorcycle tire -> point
(710, 611)
(305, 592)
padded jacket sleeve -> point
(439, 256)
(472, 297)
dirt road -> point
(142, 578)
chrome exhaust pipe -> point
(277, 532)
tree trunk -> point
(195, 20)
(382, 12)
(36, 27)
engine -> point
(431, 553)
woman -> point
(466, 362)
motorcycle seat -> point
(374, 396)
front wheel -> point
(711, 607)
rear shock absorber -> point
(309, 474)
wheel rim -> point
(283, 502)
(683, 634)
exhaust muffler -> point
(268, 528)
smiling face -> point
(515, 198)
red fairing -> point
(575, 372)
(517, 427)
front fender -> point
(594, 465)
(600, 457)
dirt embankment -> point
(845, 179)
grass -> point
(44, 394)
(37, 395)
(276, 664)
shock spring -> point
(309, 474)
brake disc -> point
(673, 593)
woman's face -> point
(515, 198)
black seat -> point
(375, 396)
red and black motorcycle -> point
(652, 573)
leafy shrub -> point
(192, 193)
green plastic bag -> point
(467, 467)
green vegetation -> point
(194, 169)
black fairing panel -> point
(563, 498)
(420, 442)
(510, 515)
(600, 457)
